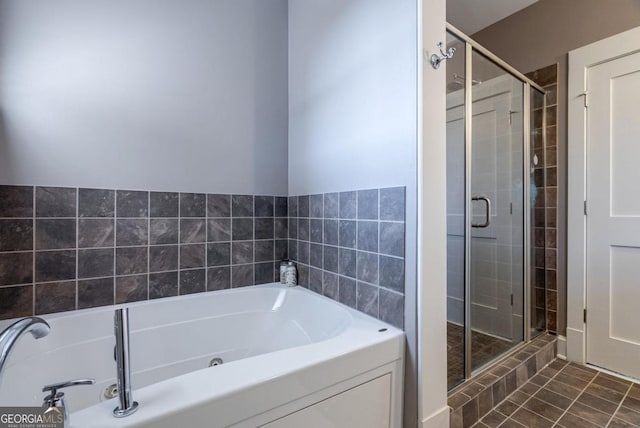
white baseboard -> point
(575, 345)
(562, 347)
(439, 419)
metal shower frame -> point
(471, 46)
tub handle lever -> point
(55, 400)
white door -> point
(613, 215)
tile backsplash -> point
(350, 246)
(65, 248)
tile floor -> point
(485, 348)
(569, 395)
(478, 396)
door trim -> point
(580, 60)
(431, 152)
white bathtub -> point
(289, 355)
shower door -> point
(488, 118)
(496, 216)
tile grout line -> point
(114, 242)
(391, 256)
(77, 189)
(113, 247)
(206, 245)
(339, 258)
(575, 400)
(356, 248)
(33, 257)
(557, 423)
(613, 415)
(322, 234)
(253, 221)
(149, 236)
(149, 246)
(180, 244)
(582, 391)
(379, 223)
(389, 290)
(530, 397)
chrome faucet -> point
(121, 326)
(38, 328)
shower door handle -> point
(487, 220)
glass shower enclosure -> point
(494, 116)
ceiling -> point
(471, 16)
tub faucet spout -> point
(8, 338)
(121, 325)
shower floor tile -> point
(569, 395)
(485, 348)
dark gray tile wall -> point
(63, 249)
(350, 246)
(548, 284)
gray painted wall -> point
(543, 34)
(352, 94)
(147, 94)
(546, 31)
(353, 115)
